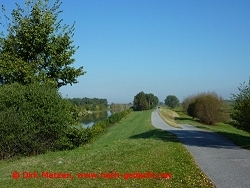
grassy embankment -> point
(169, 116)
(131, 146)
(239, 137)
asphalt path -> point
(227, 165)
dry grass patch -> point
(169, 117)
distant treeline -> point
(94, 104)
(120, 107)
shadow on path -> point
(203, 139)
(191, 137)
(226, 164)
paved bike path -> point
(227, 165)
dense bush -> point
(34, 119)
(241, 108)
(208, 107)
(186, 102)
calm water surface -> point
(94, 117)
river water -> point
(94, 117)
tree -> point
(37, 47)
(90, 104)
(241, 108)
(144, 101)
(140, 102)
(172, 101)
(152, 100)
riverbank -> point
(130, 146)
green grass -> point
(131, 146)
(239, 137)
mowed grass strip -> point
(169, 116)
(130, 146)
(239, 137)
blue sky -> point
(164, 47)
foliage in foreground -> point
(35, 119)
(36, 46)
(241, 108)
(208, 107)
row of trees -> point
(144, 101)
(94, 104)
(85, 100)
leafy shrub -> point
(208, 107)
(191, 109)
(34, 119)
(186, 102)
(241, 108)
